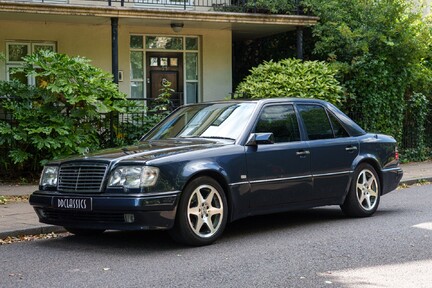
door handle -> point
(302, 153)
(351, 148)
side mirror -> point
(260, 138)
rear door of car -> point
(278, 173)
(332, 151)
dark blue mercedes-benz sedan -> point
(209, 164)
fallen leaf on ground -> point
(25, 238)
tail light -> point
(396, 153)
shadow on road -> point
(147, 242)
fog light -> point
(129, 218)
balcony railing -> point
(249, 6)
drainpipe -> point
(114, 48)
(115, 67)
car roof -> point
(268, 100)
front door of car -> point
(332, 151)
(278, 173)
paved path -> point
(19, 218)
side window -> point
(316, 122)
(339, 130)
(281, 120)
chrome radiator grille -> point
(81, 177)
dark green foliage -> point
(292, 78)
(59, 117)
(382, 50)
(414, 145)
(376, 109)
(259, 6)
(272, 6)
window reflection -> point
(219, 120)
(168, 43)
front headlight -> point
(49, 176)
(133, 176)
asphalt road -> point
(314, 248)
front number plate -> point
(73, 203)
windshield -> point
(214, 120)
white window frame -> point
(183, 51)
(31, 47)
(9, 43)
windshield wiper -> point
(203, 137)
(218, 137)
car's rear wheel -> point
(84, 232)
(201, 214)
(364, 195)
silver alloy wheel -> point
(205, 211)
(367, 190)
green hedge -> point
(292, 78)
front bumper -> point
(109, 212)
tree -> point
(377, 46)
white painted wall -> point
(94, 42)
(217, 55)
(90, 41)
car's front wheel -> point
(364, 195)
(201, 214)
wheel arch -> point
(375, 164)
(218, 177)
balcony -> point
(239, 6)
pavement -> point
(17, 218)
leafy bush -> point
(376, 100)
(272, 6)
(59, 117)
(382, 46)
(262, 6)
(413, 145)
(292, 78)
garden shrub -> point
(261, 6)
(382, 46)
(376, 96)
(272, 6)
(414, 143)
(292, 78)
(58, 117)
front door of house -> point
(161, 67)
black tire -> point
(84, 232)
(364, 194)
(200, 221)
